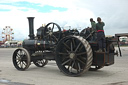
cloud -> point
(76, 15)
(26, 6)
(17, 19)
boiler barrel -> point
(36, 45)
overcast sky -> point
(74, 13)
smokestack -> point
(31, 27)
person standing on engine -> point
(93, 26)
(100, 35)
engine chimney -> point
(31, 27)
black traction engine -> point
(74, 51)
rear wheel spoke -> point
(81, 47)
(73, 42)
(71, 47)
(66, 62)
(82, 53)
(81, 61)
(66, 50)
(76, 66)
(66, 46)
(77, 47)
(65, 58)
(72, 66)
(69, 65)
(79, 67)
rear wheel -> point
(73, 55)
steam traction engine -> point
(74, 52)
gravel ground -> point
(116, 74)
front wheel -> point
(21, 59)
